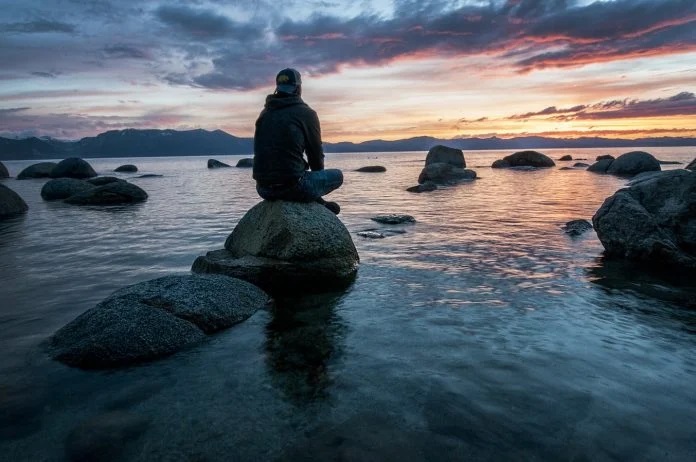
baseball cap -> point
(287, 80)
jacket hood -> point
(278, 102)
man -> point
(286, 129)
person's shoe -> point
(333, 206)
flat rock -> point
(246, 162)
(393, 219)
(115, 193)
(580, 165)
(212, 163)
(652, 221)
(62, 188)
(40, 170)
(286, 246)
(524, 159)
(440, 154)
(153, 319)
(370, 234)
(425, 187)
(130, 168)
(372, 169)
(11, 203)
(73, 167)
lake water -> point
(481, 333)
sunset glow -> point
(399, 69)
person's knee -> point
(339, 177)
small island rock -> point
(284, 246)
(62, 188)
(524, 159)
(153, 319)
(247, 162)
(73, 167)
(633, 163)
(130, 168)
(114, 193)
(40, 170)
(566, 157)
(446, 155)
(393, 219)
(372, 169)
(212, 163)
(11, 203)
(652, 220)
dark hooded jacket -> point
(285, 130)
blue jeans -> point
(309, 188)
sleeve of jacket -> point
(313, 147)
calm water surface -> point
(482, 332)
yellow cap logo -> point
(283, 79)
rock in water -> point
(4, 173)
(605, 157)
(114, 193)
(372, 169)
(566, 157)
(154, 319)
(286, 246)
(104, 437)
(653, 220)
(692, 165)
(633, 163)
(102, 180)
(247, 162)
(212, 163)
(130, 168)
(425, 187)
(393, 219)
(62, 188)
(73, 167)
(600, 166)
(577, 227)
(11, 203)
(524, 159)
(441, 172)
(443, 154)
(40, 170)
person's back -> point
(286, 130)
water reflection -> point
(303, 338)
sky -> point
(371, 69)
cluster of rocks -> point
(443, 166)
(246, 162)
(95, 191)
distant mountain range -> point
(141, 143)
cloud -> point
(124, 52)
(48, 75)
(204, 24)
(40, 26)
(13, 110)
(548, 111)
(681, 104)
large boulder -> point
(114, 193)
(443, 154)
(154, 319)
(524, 159)
(213, 163)
(4, 173)
(442, 173)
(633, 163)
(692, 165)
(128, 168)
(73, 167)
(40, 170)
(62, 188)
(653, 220)
(11, 203)
(286, 246)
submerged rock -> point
(393, 219)
(62, 188)
(114, 193)
(440, 173)
(425, 187)
(102, 180)
(370, 234)
(4, 173)
(73, 167)
(577, 227)
(580, 165)
(445, 155)
(104, 437)
(212, 163)
(652, 221)
(372, 169)
(40, 170)
(524, 159)
(246, 162)
(11, 203)
(286, 246)
(154, 319)
(130, 168)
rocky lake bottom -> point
(480, 332)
